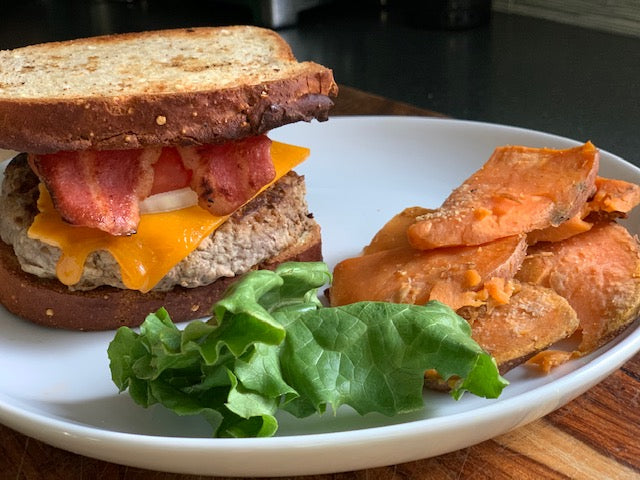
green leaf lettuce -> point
(271, 345)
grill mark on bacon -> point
(98, 189)
(226, 176)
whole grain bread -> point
(170, 87)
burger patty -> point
(272, 222)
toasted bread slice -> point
(183, 86)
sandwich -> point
(144, 174)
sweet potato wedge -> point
(518, 190)
(598, 272)
(613, 199)
(534, 319)
(455, 276)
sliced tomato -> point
(169, 172)
(102, 189)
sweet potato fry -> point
(575, 225)
(598, 272)
(455, 276)
(581, 273)
(547, 360)
(394, 233)
(518, 190)
(535, 318)
(613, 199)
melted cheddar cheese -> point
(161, 241)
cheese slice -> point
(161, 242)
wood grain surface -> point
(596, 436)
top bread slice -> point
(170, 87)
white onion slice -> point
(169, 201)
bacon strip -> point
(98, 189)
(225, 176)
(102, 189)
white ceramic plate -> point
(55, 385)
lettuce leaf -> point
(271, 345)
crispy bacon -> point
(98, 189)
(102, 189)
(225, 176)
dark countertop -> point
(515, 70)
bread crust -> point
(168, 119)
(50, 303)
(187, 109)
